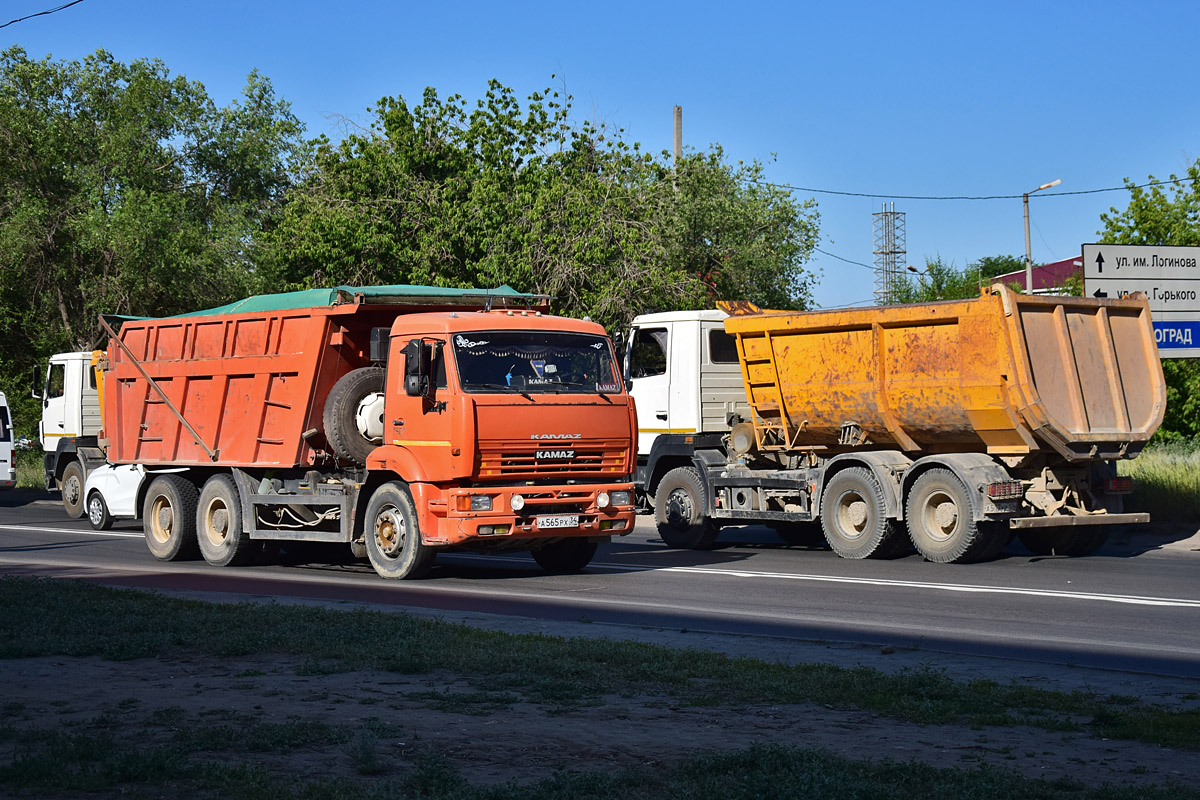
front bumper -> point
(548, 512)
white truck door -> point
(650, 382)
(56, 419)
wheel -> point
(222, 538)
(353, 415)
(169, 518)
(799, 534)
(394, 543)
(1066, 541)
(854, 517)
(942, 525)
(72, 490)
(97, 511)
(568, 555)
(679, 511)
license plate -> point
(558, 521)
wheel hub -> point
(164, 518)
(219, 521)
(856, 514)
(389, 532)
(946, 516)
(679, 509)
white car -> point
(111, 492)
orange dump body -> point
(1006, 374)
(249, 384)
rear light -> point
(1005, 490)
(1118, 485)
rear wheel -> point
(72, 490)
(854, 517)
(222, 538)
(97, 511)
(942, 525)
(568, 555)
(393, 538)
(353, 415)
(1074, 541)
(679, 511)
(169, 518)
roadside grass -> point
(1166, 480)
(46, 617)
(97, 765)
(30, 469)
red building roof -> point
(1047, 276)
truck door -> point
(54, 424)
(420, 424)
(650, 383)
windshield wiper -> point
(503, 388)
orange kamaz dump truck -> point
(400, 420)
(947, 426)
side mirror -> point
(36, 392)
(418, 360)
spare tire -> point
(353, 415)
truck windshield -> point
(535, 362)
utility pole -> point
(678, 133)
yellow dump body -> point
(1004, 373)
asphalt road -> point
(1135, 606)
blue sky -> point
(919, 98)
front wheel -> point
(679, 511)
(393, 537)
(97, 511)
(568, 555)
(72, 490)
(942, 524)
(169, 518)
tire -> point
(223, 539)
(97, 512)
(345, 415)
(393, 537)
(942, 525)
(1073, 541)
(568, 555)
(72, 490)
(169, 518)
(679, 511)
(854, 517)
(800, 534)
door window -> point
(648, 353)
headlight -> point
(517, 502)
(481, 502)
(621, 499)
(602, 500)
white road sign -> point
(1168, 276)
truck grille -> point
(521, 459)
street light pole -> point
(1028, 252)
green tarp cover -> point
(383, 295)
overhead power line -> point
(964, 196)
(41, 13)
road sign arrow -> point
(1100, 293)
(1099, 262)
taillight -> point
(1118, 485)
(1005, 490)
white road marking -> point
(71, 531)
(732, 573)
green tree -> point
(446, 194)
(938, 281)
(1166, 215)
(125, 190)
(992, 266)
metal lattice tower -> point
(889, 251)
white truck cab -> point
(682, 369)
(8, 468)
(69, 425)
